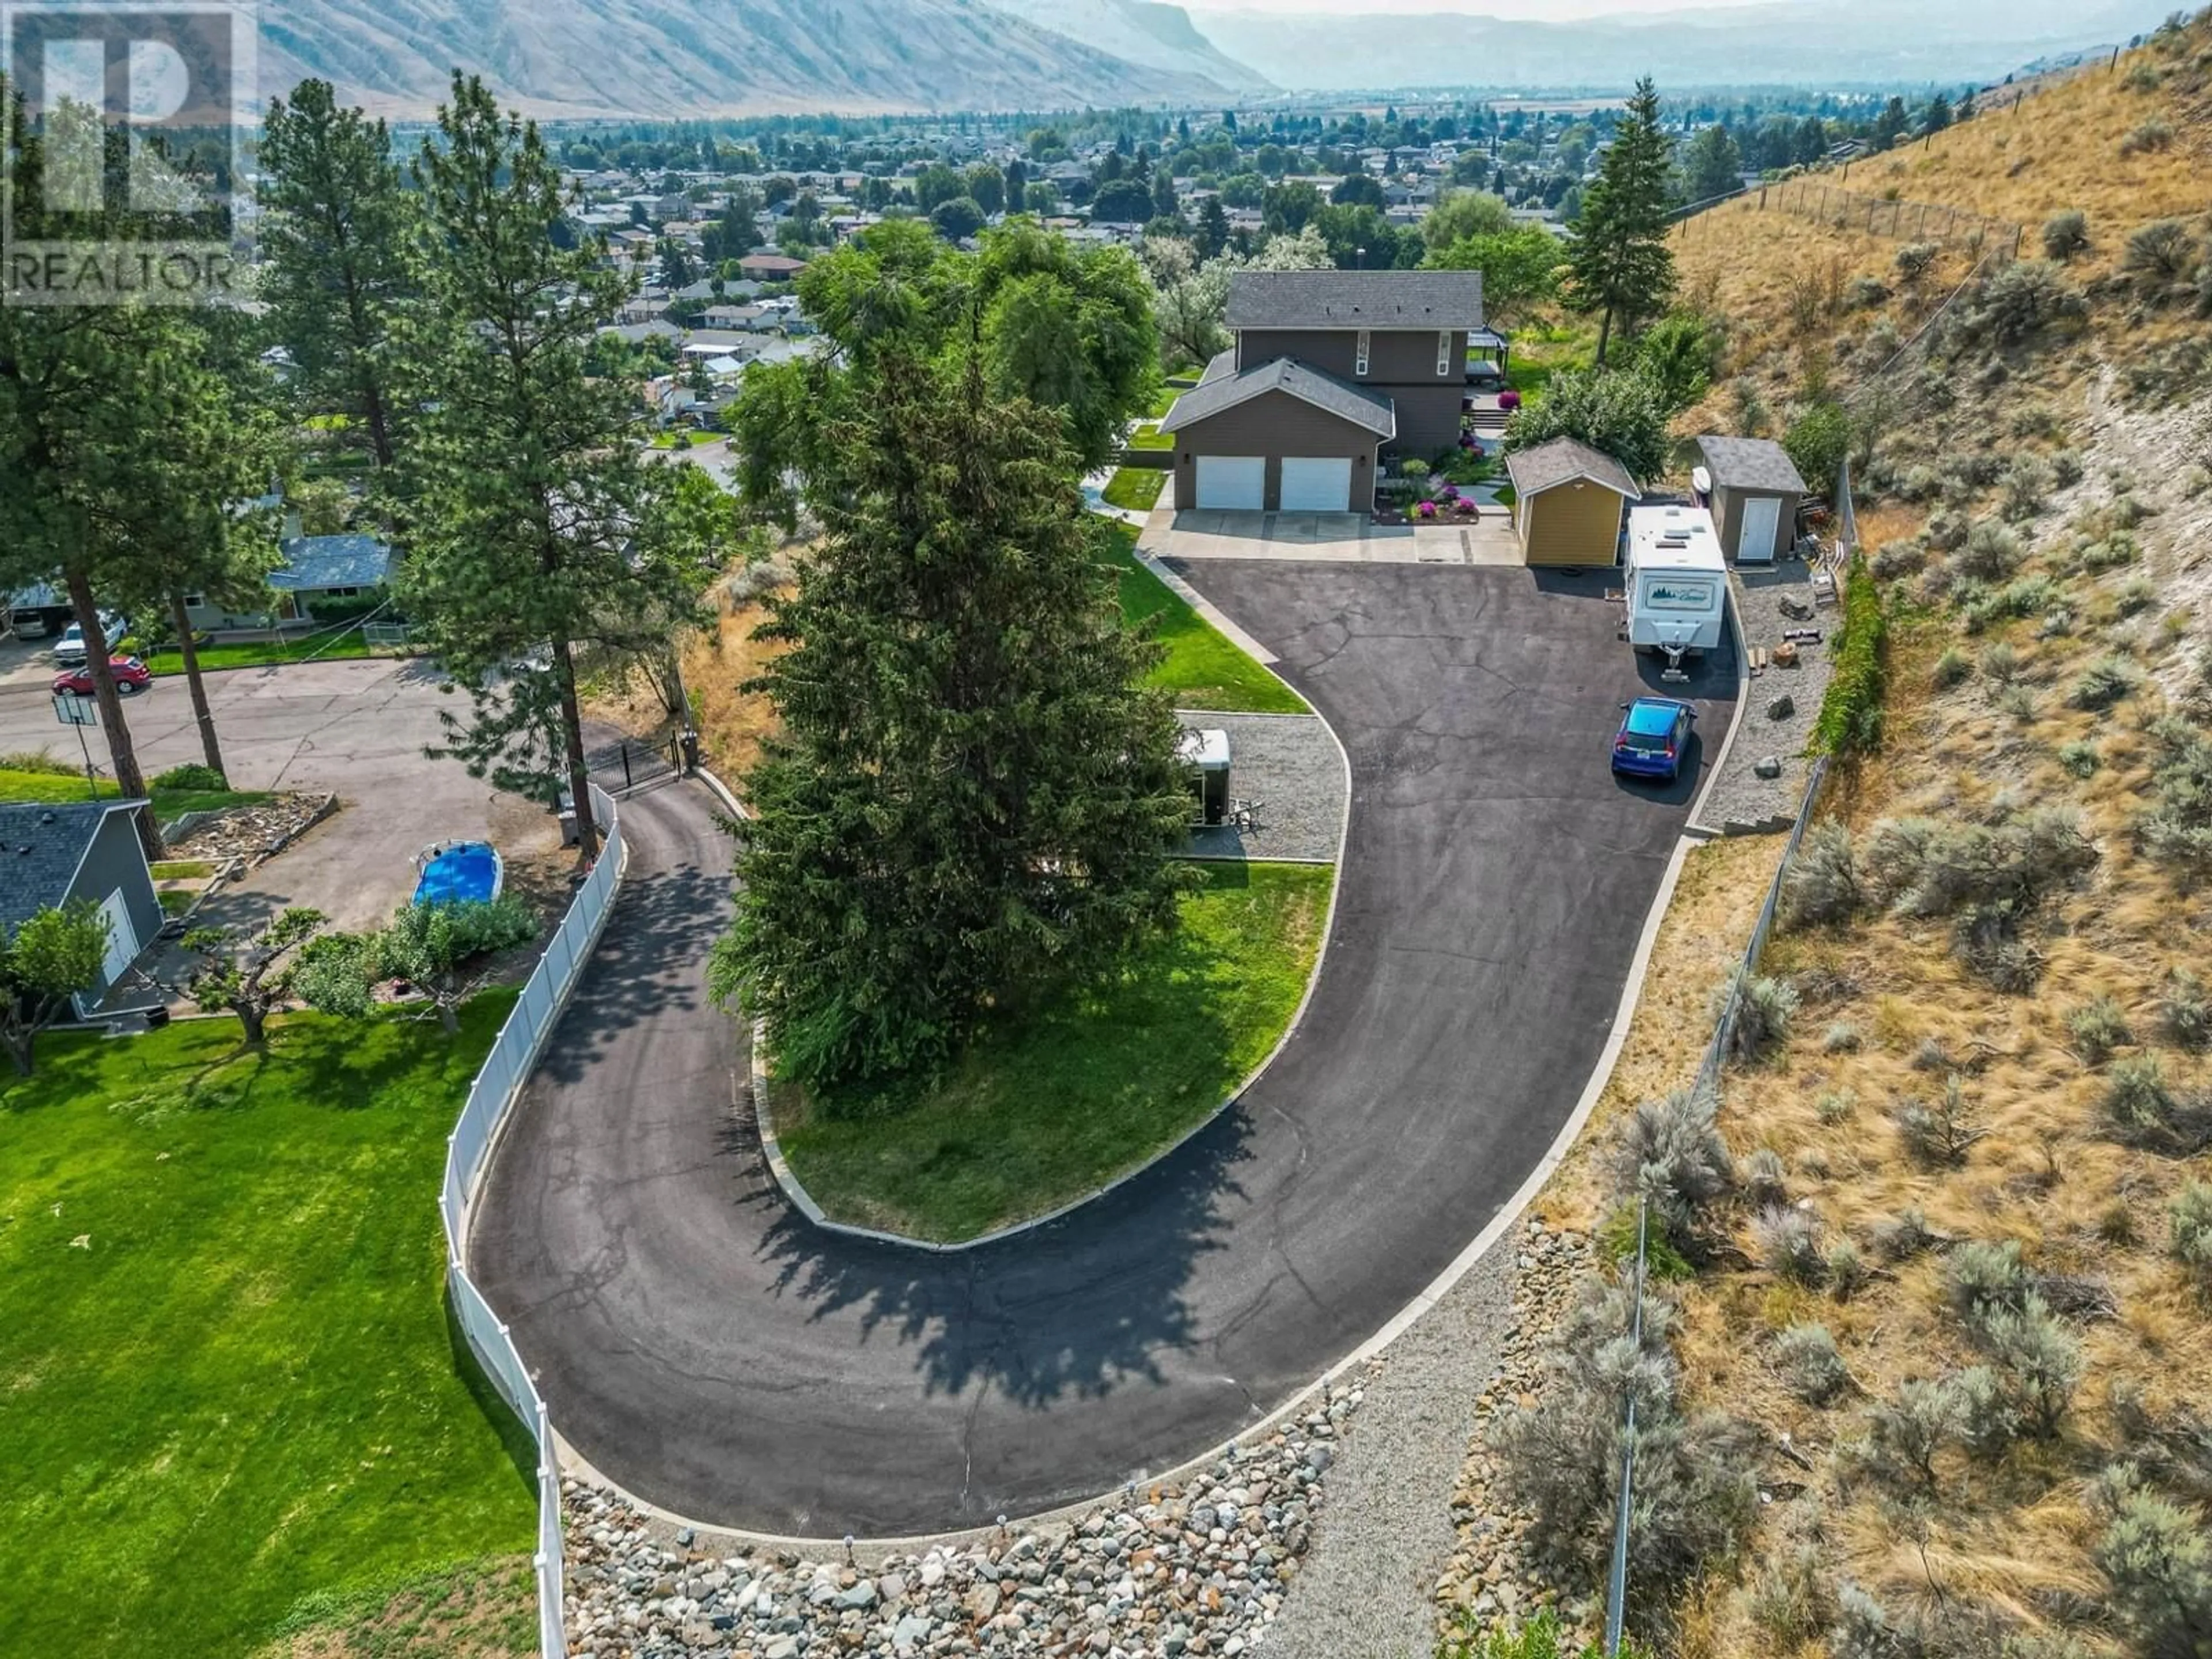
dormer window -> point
(1359, 357)
(1444, 351)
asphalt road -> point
(703, 1346)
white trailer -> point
(1677, 582)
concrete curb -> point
(1205, 607)
(1696, 825)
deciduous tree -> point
(52, 955)
(250, 975)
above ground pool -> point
(456, 871)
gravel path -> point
(1291, 766)
(1741, 801)
(1367, 1592)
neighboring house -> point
(770, 267)
(316, 568)
(1754, 489)
(1568, 500)
(87, 852)
(1333, 372)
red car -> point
(132, 676)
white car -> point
(68, 650)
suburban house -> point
(1568, 500)
(316, 570)
(1754, 490)
(770, 267)
(87, 852)
(1334, 372)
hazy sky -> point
(1559, 10)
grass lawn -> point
(1085, 1087)
(1134, 487)
(182, 869)
(167, 659)
(1149, 436)
(232, 1388)
(64, 787)
(1203, 669)
(1164, 402)
(175, 901)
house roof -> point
(331, 561)
(1355, 298)
(42, 847)
(1750, 464)
(1367, 409)
(1557, 460)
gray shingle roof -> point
(40, 847)
(331, 561)
(1363, 408)
(1750, 464)
(1557, 459)
(1355, 298)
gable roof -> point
(331, 561)
(1557, 460)
(1355, 298)
(42, 847)
(1366, 409)
(1750, 464)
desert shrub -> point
(1987, 1421)
(1864, 1628)
(1842, 1037)
(1939, 1134)
(1919, 483)
(191, 776)
(1982, 607)
(2098, 1028)
(2141, 77)
(2110, 551)
(1946, 530)
(1789, 1243)
(2188, 1231)
(1542, 1638)
(2135, 594)
(2153, 133)
(2038, 1362)
(1559, 1458)
(2018, 302)
(1952, 669)
(2103, 684)
(2178, 829)
(2158, 256)
(1671, 1153)
(2001, 663)
(2065, 234)
(1789, 1598)
(2141, 1108)
(1991, 553)
(1904, 1235)
(2117, 1224)
(1763, 1008)
(2066, 469)
(1765, 1179)
(1863, 293)
(756, 579)
(1812, 1366)
(1834, 1107)
(1823, 884)
(1850, 711)
(2027, 481)
(1914, 261)
(1982, 1279)
(1905, 1435)
(1892, 561)
(2078, 755)
(2057, 623)
(2157, 1556)
(2185, 1016)
(1846, 1270)
(1986, 937)
(1924, 867)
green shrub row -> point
(1851, 712)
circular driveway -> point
(702, 1344)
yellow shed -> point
(1568, 500)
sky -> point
(1554, 10)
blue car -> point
(1654, 735)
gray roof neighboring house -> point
(1346, 402)
(1355, 298)
(42, 847)
(1556, 460)
(1750, 464)
(331, 561)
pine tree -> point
(1618, 263)
(334, 242)
(532, 525)
(1890, 125)
(969, 799)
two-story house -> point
(1333, 373)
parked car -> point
(68, 650)
(1653, 736)
(132, 677)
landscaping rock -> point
(1781, 707)
(1767, 766)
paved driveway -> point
(706, 1348)
(1333, 537)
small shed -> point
(1753, 490)
(88, 852)
(1568, 501)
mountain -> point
(696, 57)
(1822, 42)
(1151, 35)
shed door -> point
(1754, 536)
(121, 937)
(1316, 483)
(1236, 483)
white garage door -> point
(1316, 483)
(1238, 482)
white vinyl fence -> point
(505, 1070)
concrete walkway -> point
(1328, 538)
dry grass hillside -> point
(1958, 1278)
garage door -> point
(1238, 483)
(1316, 483)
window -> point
(1359, 360)
(342, 592)
(194, 601)
(1444, 351)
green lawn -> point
(61, 787)
(1203, 669)
(182, 869)
(167, 659)
(1164, 402)
(1148, 436)
(232, 1389)
(1134, 487)
(1086, 1087)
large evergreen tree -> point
(1619, 264)
(969, 799)
(533, 525)
(334, 256)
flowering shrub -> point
(1465, 507)
(1426, 509)
(1509, 400)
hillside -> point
(695, 57)
(1140, 32)
(1955, 1281)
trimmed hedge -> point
(1851, 713)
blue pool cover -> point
(468, 869)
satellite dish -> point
(1701, 481)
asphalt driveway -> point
(706, 1348)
